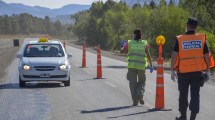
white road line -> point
(110, 84)
(88, 71)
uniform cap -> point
(192, 21)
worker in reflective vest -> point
(191, 53)
(189, 58)
(138, 59)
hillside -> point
(14, 8)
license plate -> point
(44, 75)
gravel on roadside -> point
(7, 55)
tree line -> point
(28, 24)
(108, 23)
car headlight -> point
(63, 67)
(26, 67)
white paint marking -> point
(89, 72)
(110, 84)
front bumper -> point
(34, 75)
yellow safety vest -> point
(136, 54)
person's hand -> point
(173, 76)
(151, 69)
(205, 76)
(208, 76)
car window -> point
(43, 50)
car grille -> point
(53, 76)
(44, 68)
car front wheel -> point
(21, 83)
(67, 83)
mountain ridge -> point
(18, 8)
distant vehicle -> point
(43, 60)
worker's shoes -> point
(140, 98)
(193, 116)
(141, 101)
(181, 118)
(135, 104)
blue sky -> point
(51, 3)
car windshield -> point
(43, 50)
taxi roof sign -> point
(43, 40)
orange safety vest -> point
(212, 64)
(190, 57)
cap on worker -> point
(192, 21)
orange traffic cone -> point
(159, 100)
(99, 63)
(84, 55)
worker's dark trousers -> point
(186, 81)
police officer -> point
(190, 56)
(138, 58)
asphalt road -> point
(91, 99)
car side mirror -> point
(19, 55)
(69, 55)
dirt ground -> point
(8, 53)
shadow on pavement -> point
(105, 109)
(148, 111)
(43, 85)
(125, 67)
(30, 85)
(82, 80)
(116, 67)
(10, 86)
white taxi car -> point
(43, 60)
